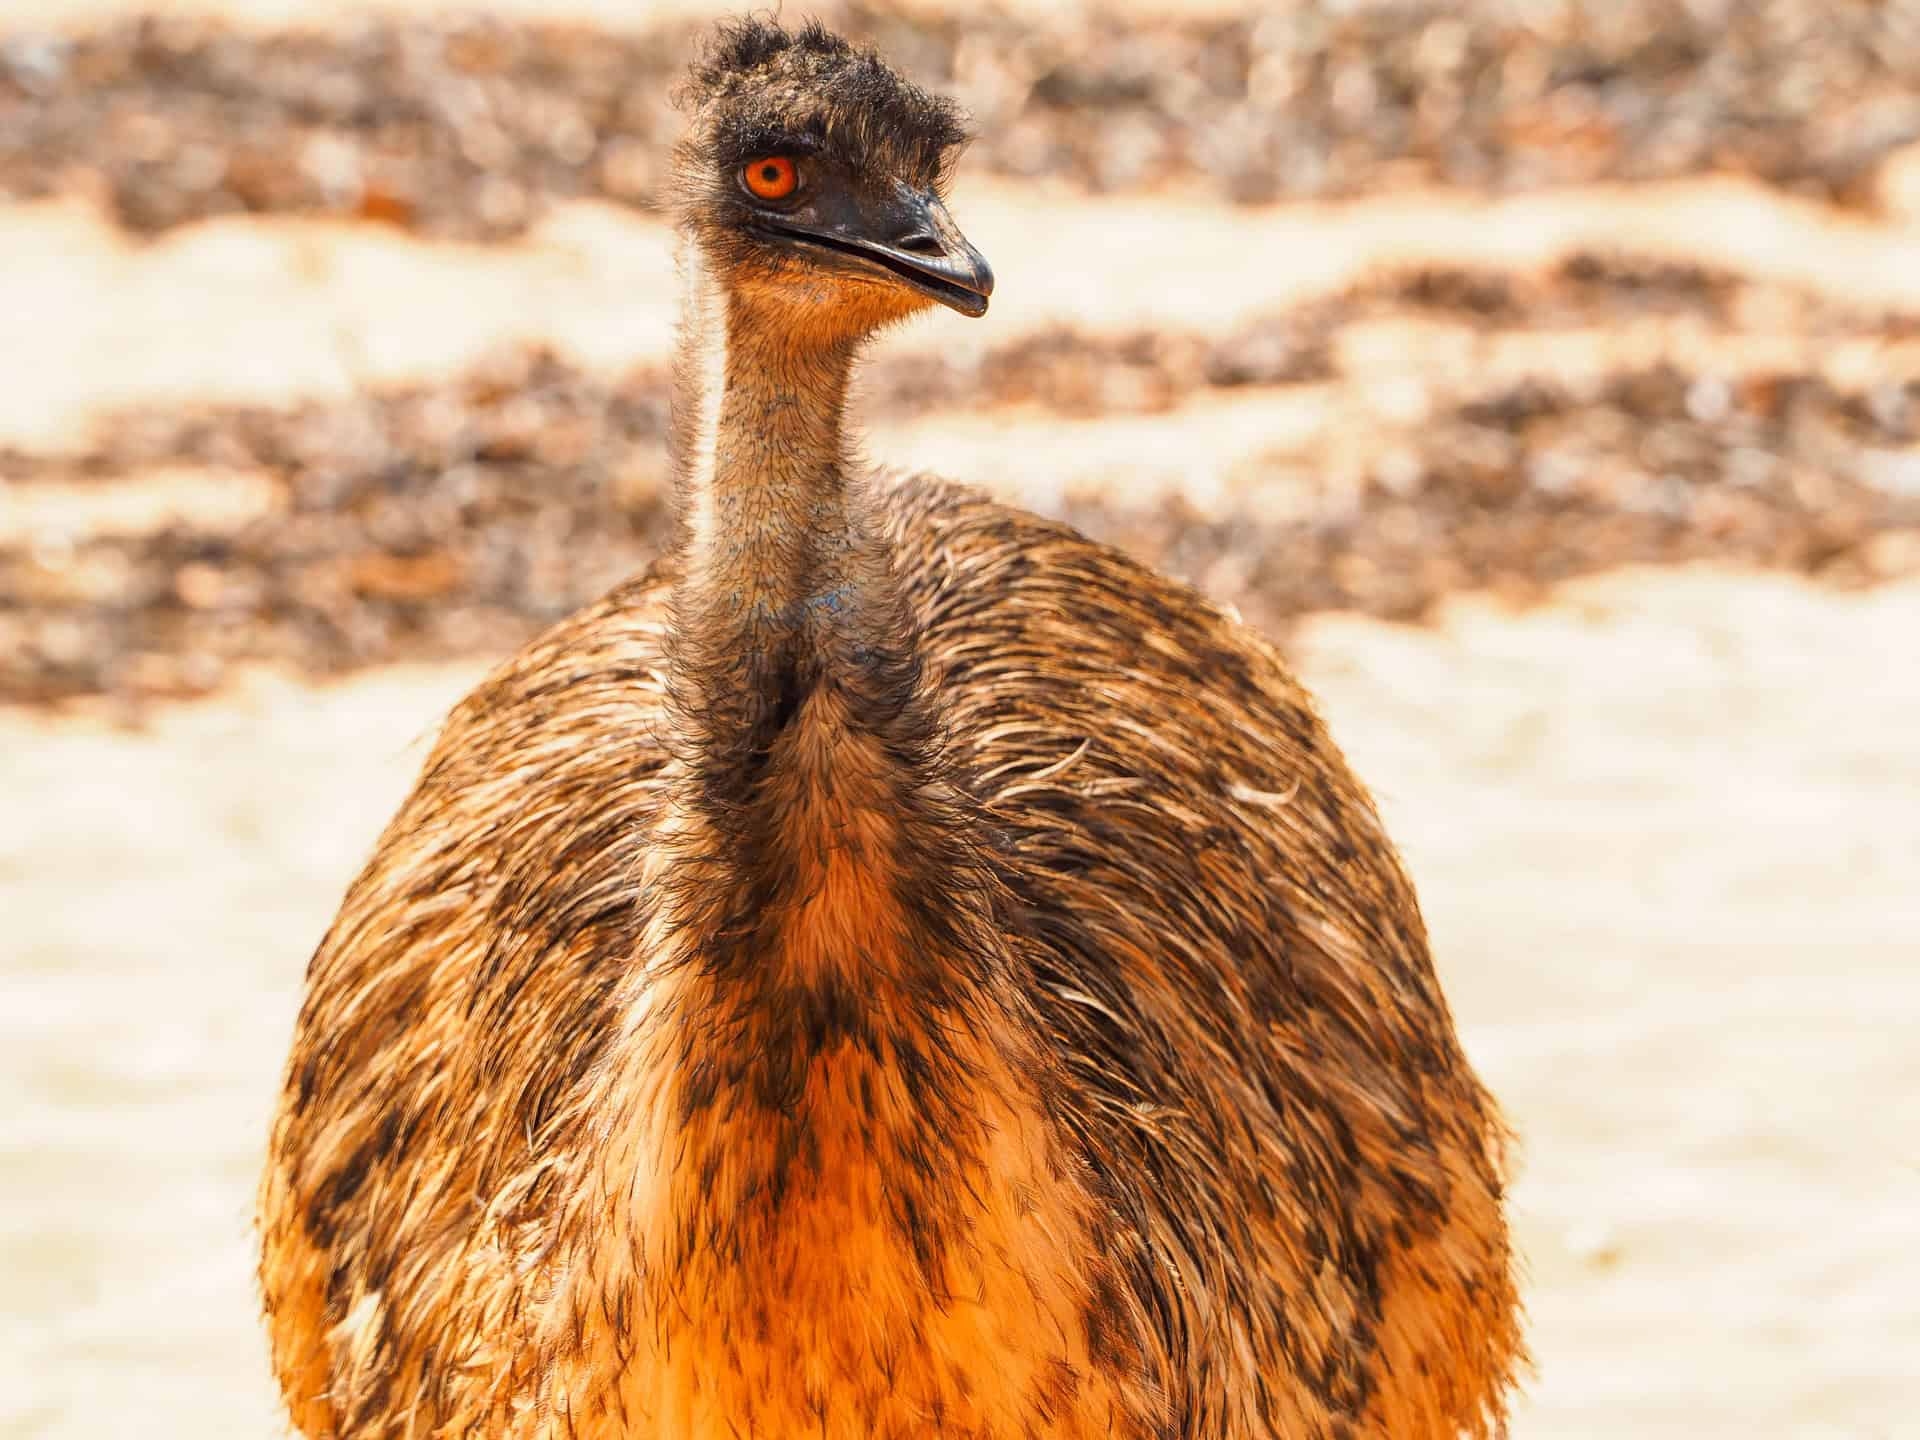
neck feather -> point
(786, 593)
(761, 467)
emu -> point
(897, 969)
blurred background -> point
(1544, 376)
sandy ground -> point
(1663, 828)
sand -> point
(1663, 828)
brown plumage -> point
(898, 969)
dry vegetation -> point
(335, 351)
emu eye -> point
(771, 178)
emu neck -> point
(822, 860)
(763, 476)
(783, 587)
(809, 742)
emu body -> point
(899, 969)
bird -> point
(897, 967)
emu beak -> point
(908, 234)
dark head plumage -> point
(757, 86)
(812, 177)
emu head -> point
(811, 179)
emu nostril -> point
(921, 242)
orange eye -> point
(773, 178)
